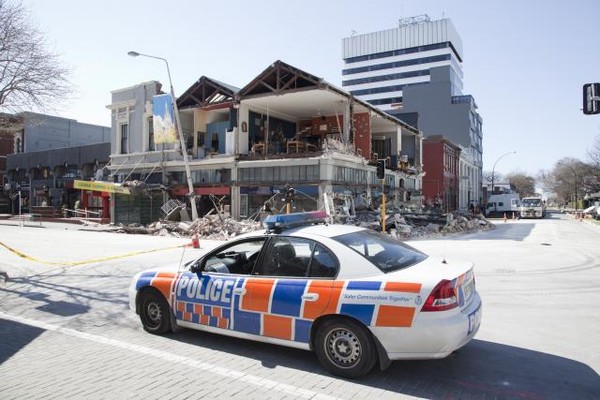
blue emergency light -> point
(285, 221)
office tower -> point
(414, 72)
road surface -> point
(67, 332)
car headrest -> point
(285, 251)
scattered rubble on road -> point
(403, 226)
(213, 227)
(409, 225)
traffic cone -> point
(504, 217)
(195, 242)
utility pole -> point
(186, 163)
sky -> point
(525, 62)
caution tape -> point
(75, 263)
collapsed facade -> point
(246, 147)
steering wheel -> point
(249, 262)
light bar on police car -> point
(285, 221)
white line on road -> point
(229, 373)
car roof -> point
(325, 230)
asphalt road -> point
(66, 330)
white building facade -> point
(378, 65)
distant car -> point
(352, 295)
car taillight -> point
(443, 297)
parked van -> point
(503, 203)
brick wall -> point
(362, 133)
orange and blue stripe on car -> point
(280, 308)
(374, 303)
(160, 280)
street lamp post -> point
(180, 133)
(494, 167)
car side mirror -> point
(196, 268)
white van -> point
(503, 203)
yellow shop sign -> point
(101, 187)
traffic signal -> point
(408, 194)
(591, 98)
(289, 195)
(381, 169)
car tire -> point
(155, 313)
(345, 348)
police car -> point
(355, 297)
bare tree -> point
(522, 183)
(594, 170)
(594, 152)
(568, 179)
(31, 76)
(497, 176)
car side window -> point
(296, 257)
(238, 258)
(284, 257)
(324, 263)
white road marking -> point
(229, 373)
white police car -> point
(352, 295)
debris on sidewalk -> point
(208, 227)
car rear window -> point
(383, 251)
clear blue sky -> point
(524, 61)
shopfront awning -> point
(98, 186)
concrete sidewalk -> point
(54, 223)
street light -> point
(180, 133)
(494, 167)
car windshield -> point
(531, 202)
(385, 252)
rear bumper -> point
(433, 334)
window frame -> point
(124, 139)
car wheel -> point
(154, 313)
(345, 348)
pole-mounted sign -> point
(591, 98)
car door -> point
(289, 287)
(210, 291)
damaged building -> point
(247, 147)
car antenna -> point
(182, 254)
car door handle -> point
(310, 296)
(240, 291)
